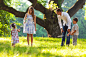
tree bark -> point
(78, 5)
(34, 2)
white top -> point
(66, 20)
(75, 27)
(29, 17)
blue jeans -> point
(63, 35)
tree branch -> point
(41, 22)
(1, 2)
(78, 5)
(20, 14)
(34, 2)
(41, 8)
(12, 10)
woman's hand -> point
(35, 22)
(23, 22)
(24, 18)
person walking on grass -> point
(66, 25)
(14, 34)
(75, 31)
(29, 24)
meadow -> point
(42, 47)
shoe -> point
(62, 44)
(68, 45)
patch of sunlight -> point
(22, 44)
(65, 52)
(40, 14)
(16, 55)
(5, 39)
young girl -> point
(30, 24)
(75, 31)
(14, 34)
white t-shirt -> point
(75, 27)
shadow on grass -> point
(49, 39)
(36, 51)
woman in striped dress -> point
(29, 24)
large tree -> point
(51, 21)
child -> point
(75, 31)
(14, 34)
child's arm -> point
(18, 30)
(11, 33)
(75, 28)
(68, 33)
(73, 32)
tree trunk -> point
(53, 30)
(52, 26)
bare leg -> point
(28, 38)
(31, 39)
(13, 45)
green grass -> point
(42, 47)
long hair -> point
(28, 11)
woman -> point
(30, 24)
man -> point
(66, 25)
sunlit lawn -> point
(42, 47)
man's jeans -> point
(63, 36)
